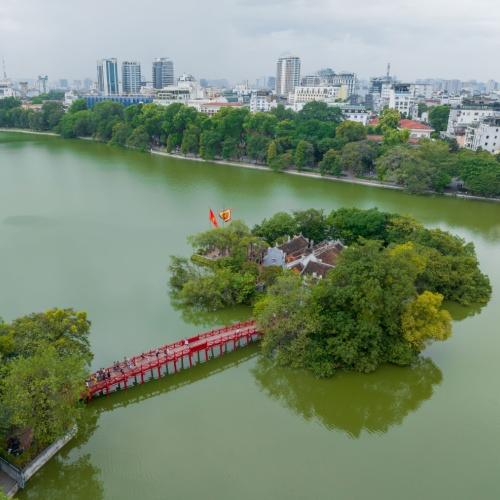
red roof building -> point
(418, 130)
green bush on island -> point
(44, 361)
(381, 303)
(317, 138)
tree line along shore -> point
(314, 140)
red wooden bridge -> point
(166, 359)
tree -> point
(394, 137)
(422, 108)
(312, 224)
(358, 157)
(78, 105)
(83, 124)
(51, 114)
(272, 153)
(121, 133)
(257, 146)
(230, 149)
(210, 141)
(351, 224)
(389, 119)
(191, 139)
(480, 173)
(280, 225)
(106, 115)
(318, 110)
(64, 329)
(284, 316)
(349, 131)
(330, 164)
(438, 117)
(304, 155)
(423, 321)
(139, 139)
(41, 392)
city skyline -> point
(429, 40)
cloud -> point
(242, 38)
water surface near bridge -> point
(87, 226)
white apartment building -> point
(6, 89)
(422, 90)
(353, 112)
(262, 102)
(401, 97)
(131, 77)
(484, 135)
(172, 94)
(287, 75)
(308, 94)
(211, 107)
(465, 116)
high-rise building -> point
(287, 75)
(131, 77)
(348, 79)
(107, 76)
(163, 72)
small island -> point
(348, 290)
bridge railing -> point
(156, 358)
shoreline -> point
(314, 175)
(24, 131)
(251, 166)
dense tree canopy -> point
(315, 138)
(381, 303)
(44, 361)
(438, 117)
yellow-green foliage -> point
(424, 320)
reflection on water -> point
(352, 402)
(459, 312)
(64, 480)
(207, 319)
(171, 383)
(69, 474)
(65, 477)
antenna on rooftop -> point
(388, 70)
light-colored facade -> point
(311, 81)
(163, 73)
(131, 77)
(107, 76)
(353, 112)
(6, 89)
(187, 89)
(308, 94)
(401, 98)
(347, 79)
(462, 117)
(422, 90)
(212, 107)
(171, 94)
(262, 101)
(484, 135)
(287, 75)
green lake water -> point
(87, 226)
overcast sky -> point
(241, 39)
